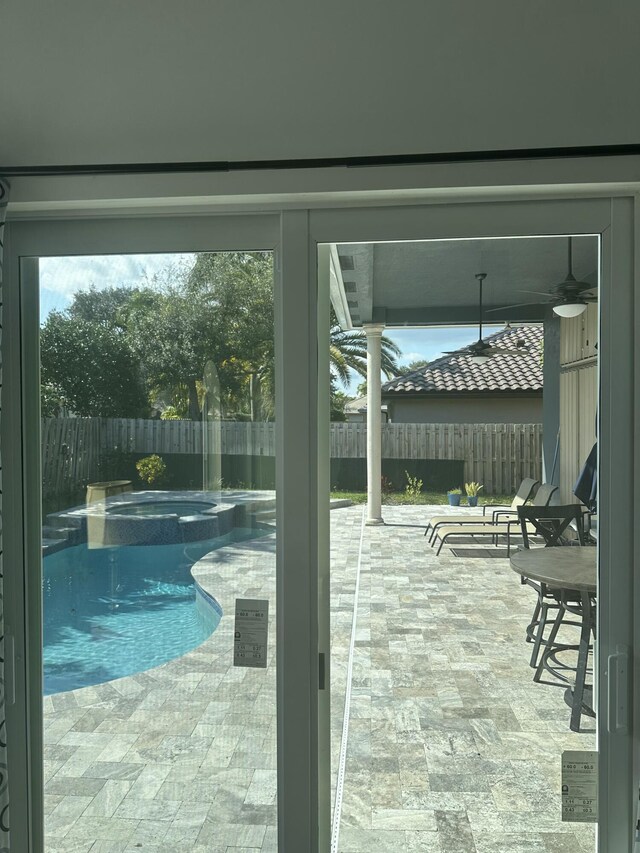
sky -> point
(60, 278)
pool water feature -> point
(112, 612)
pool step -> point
(264, 515)
(50, 546)
(62, 519)
(259, 505)
(195, 528)
(62, 534)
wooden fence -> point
(497, 455)
(71, 452)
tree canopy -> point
(88, 370)
(120, 351)
(348, 352)
(404, 369)
(153, 342)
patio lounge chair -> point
(525, 490)
(508, 528)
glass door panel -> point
(446, 730)
(157, 577)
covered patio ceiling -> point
(432, 282)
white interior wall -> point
(86, 81)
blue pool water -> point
(111, 612)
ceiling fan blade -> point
(517, 305)
(491, 351)
(537, 292)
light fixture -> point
(570, 309)
(479, 359)
(568, 299)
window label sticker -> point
(580, 786)
(251, 632)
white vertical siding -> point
(578, 396)
(579, 336)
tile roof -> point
(458, 374)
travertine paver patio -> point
(452, 748)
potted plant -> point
(472, 490)
(453, 496)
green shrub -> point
(152, 470)
(413, 487)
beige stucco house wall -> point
(466, 410)
(453, 389)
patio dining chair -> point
(500, 528)
(555, 526)
(525, 490)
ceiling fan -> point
(569, 298)
(480, 351)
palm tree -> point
(348, 351)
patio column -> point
(374, 424)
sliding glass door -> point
(439, 727)
(144, 385)
(157, 405)
(187, 744)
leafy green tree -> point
(338, 402)
(172, 336)
(348, 351)
(404, 369)
(221, 310)
(89, 370)
(238, 287)
(106, 307)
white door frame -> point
(619, 545)
(296, 562)
(302, 535)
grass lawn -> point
(401, 498)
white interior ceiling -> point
(84, 81)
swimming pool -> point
(111, 612)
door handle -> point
(618, 698)
(322, 671)
(9, 670)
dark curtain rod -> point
(322, 162)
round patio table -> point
(572, 572)
(559, 568)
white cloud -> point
(61, 278)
